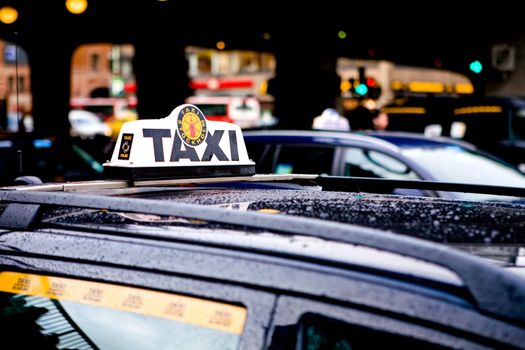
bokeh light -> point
(221, 45)
(476, 66)
(345, 86)
(361, 89)
(76, 7)
(341, 34)
(8, 15)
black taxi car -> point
(158, 257)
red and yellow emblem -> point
(191, 125)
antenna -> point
(18, 114)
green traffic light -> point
(476, 66)
(361, 89)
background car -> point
(85, 124)
(382, 155)
(48, 158)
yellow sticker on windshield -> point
(210, 314)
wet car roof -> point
(206, 222)
(429, 218)
(433, 219)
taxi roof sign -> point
(182, 145)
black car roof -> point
(430, 218)
(424, 217)
(497, 293)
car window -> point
(457, 164)
(317, 332)
(361, 162)
(262, 155)
(518, 123)
(301, 159)
(48, 312)
(303, 324)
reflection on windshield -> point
(57, 313)
(456, 164)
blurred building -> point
(102, 67)
(8, 81)
(237, 78)
(231, 72)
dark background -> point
(303, 38)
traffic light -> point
(476, 66)
(361, 89)
(374, 90)
(368, 88)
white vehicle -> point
(241, 110)
(87, 124)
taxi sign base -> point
(156, 173)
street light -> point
(8, 15)
(76, 7)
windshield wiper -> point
(495, 291)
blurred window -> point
(248, 62)
(21, 84)
(518, 123)
(11, 83)
(95, 61)
(222, 63)
(457, 164)
(361, 162)
(305, 159)
(204, 64)
(319, 333)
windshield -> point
(457, 164)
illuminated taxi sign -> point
(182, 145)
